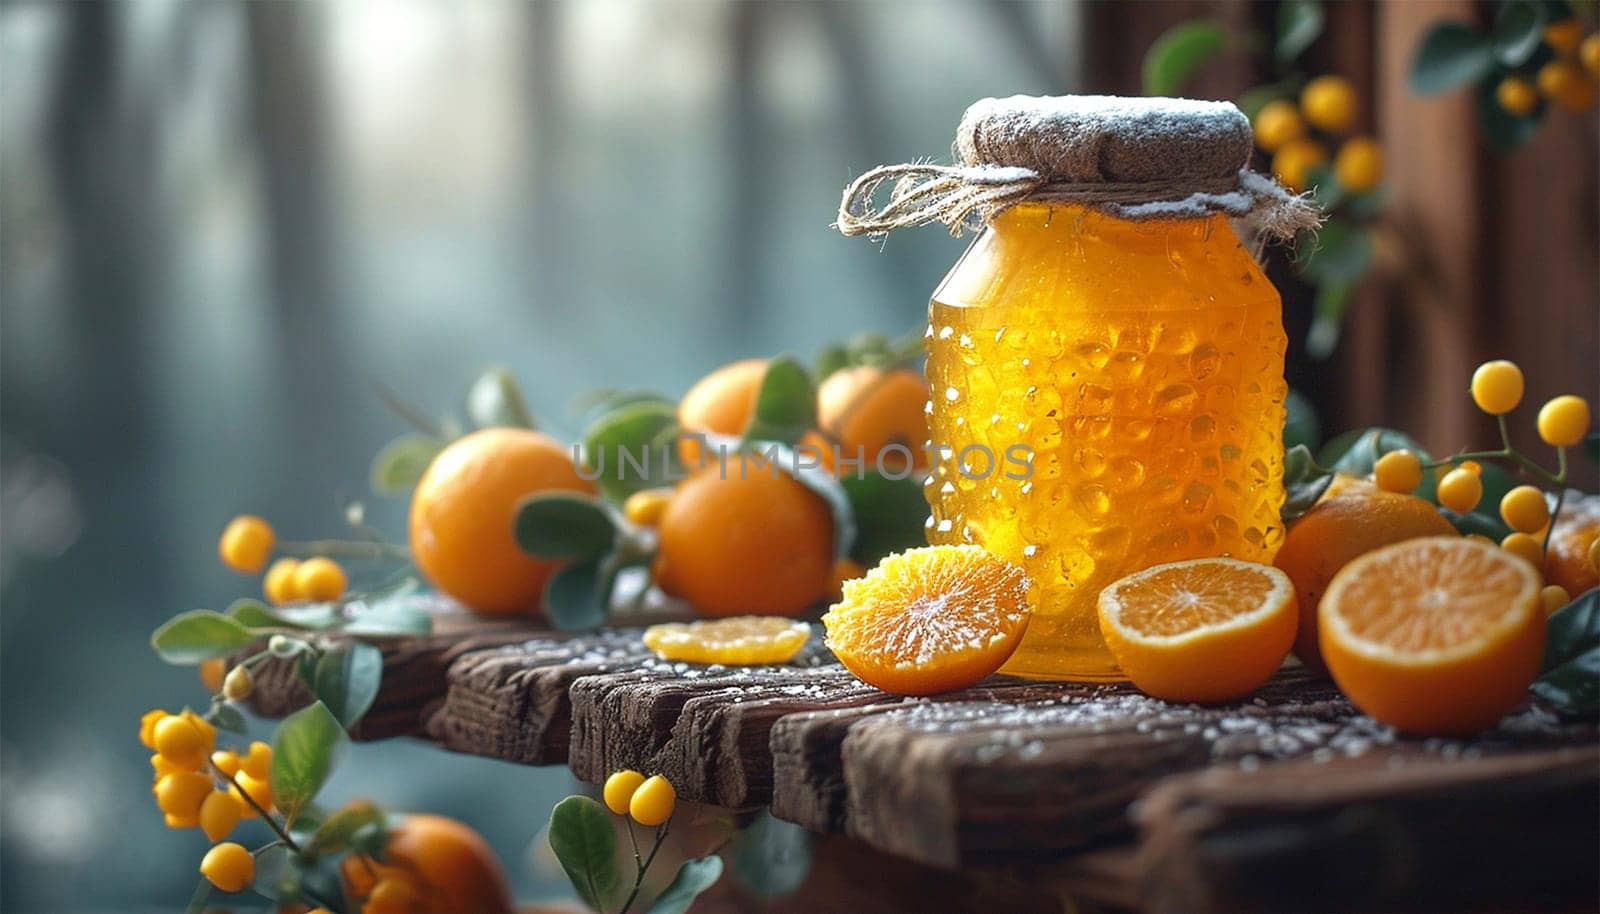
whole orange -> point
(722, 402)
(747, 541)
(463, 509)
(1567, 558)
(868, 408)
(1337, 530)
(446, 868)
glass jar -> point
(1106, 395)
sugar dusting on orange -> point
(1440, 635)
(930, 620)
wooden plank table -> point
(1288, 799)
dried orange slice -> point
(930, 620)
(1205, 630)
(733, 641)
(1440, 635)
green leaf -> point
(1591, 446)
(579, 595)
(305, 749)
(1301, 425)
(562, 525)
(635, 430)
(495, 400)
(1327, 318)
(400, 464)
(256, 614)
(346, 680)
(831, 359)
(197, 901)
(277, 874)
(1570, 676)
(191, 637)
(391, 617)
(1450, 56)
(1304, 481)
(1504, 131)
(694, 877)
(786, 404)
(1178, 53)
(1357, 453)
(1518, 30)
(772, 857)
(1300, 23)
(341, 829)
(226, 717)
(889, 514)
(583, 839)
(1343, 253)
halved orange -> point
(1440, 635)
(733, 641)
(1205, 630)
(930, 620)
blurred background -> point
(223, 225)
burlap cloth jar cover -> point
(1135, 158)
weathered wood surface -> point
(1008, 772)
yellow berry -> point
(1471, 466)
(182, 821)
(1524, 510)
(1564, 83)
(1517, 96)
(256, 789)
(619, 790)
(1460, 490)
(182, 793)
(1554, 596)
(1497, 386)
(229, 867)
(391, 896)
(1294, 161)
(1359, 164)
(238, 684)
(218, 815)
(320, 579)
(163, 767)
(257, 761)
(1329, 103)
(645, 508)
(246, 544)
(180, 742)
(1589, 54)
(1564, 36)
(279, 585)
(1564, 420)
(226, 761)
(1278, 122)
(147, 726)
(211, 672)
(1398, 471)
(652, 803)
(1523, 545)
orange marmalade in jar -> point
(1105, 362)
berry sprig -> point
(1497, 389)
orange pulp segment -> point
(1204, 630)
(733, 641)
(1439, 635)
(930, 620)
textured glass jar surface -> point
(1139, 367)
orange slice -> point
(1205, 630)
(1440, 635)
(733, 641)
(930, 620)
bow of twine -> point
(963, 196)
